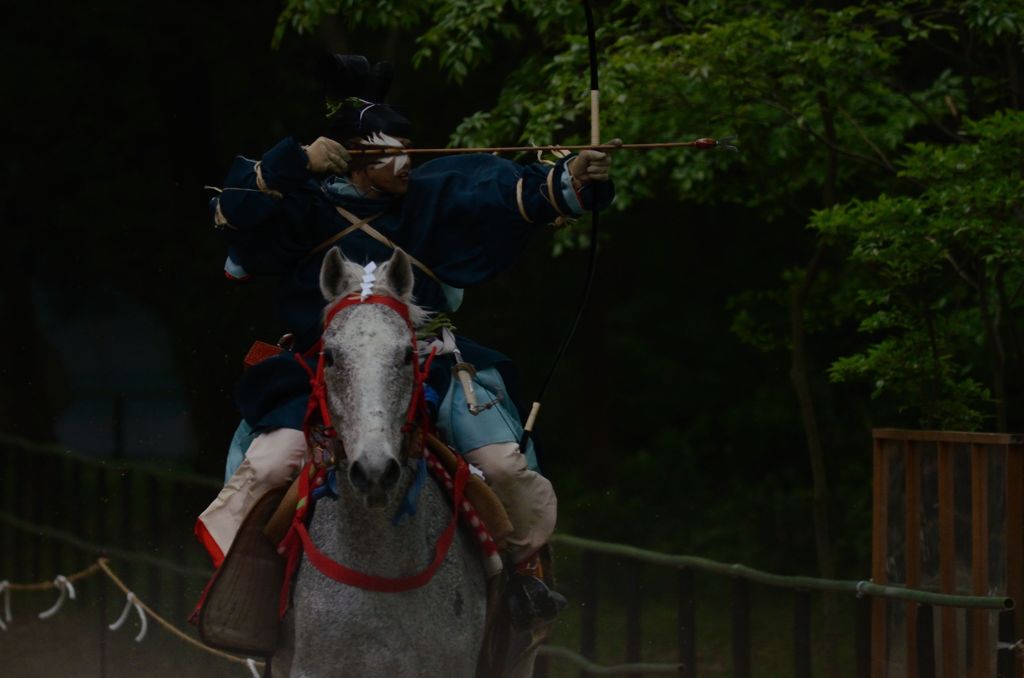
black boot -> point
(531, 603)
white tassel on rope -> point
(129, 603)
(5, 589)
(67, 590)
(366, 286)
(251, 663)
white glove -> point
(327, 155)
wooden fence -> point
(59, 510)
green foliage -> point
(853, 145)
(938, 272)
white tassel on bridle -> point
(366, 286)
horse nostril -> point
(357, 476)
(392, 472)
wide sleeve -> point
(267, 211)
(485, 208)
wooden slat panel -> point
(634, 609)
(687, 629)
(980, 667)
(1006, 662)
(1015, 531)
(947, 558)
(801, 634)
(740, 628)
(588, 613)
(862, 637)
(949, 436)
(879, 553)
(912, 535)
(925, 651)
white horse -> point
(334, 629)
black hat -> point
(355, 94)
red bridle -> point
(318, 395)
(298, 540)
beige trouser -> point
(528, 496)
(272, 460)
(276, 457)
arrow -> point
(703, 143)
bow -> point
(595, 141)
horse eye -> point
(328, 357)
(408, 355)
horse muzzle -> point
(374, 478)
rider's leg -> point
(528, 496)
(272, 460)
(492, 436)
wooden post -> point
(947, 558)
(925, 650)
(102, 505)
(802, 634)
(154, 529)
(36, 480)
(7, 545)
(76, 516)
(20, 540)
(588, 615)
(686, 616)
(912, 540)
(879, 556)
(634, 606)
(862, 637)
(101, 606)
(127, 524)
(58, 512)
(740, 628)
(181, 607)
(1015, 532)
(980, 655)
(1006, 664)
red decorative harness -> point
(297, 541)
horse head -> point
(369, 369)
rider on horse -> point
(462, 219)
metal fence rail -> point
(595, 553)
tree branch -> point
(881, 156)
(835, 147)
(960, 271)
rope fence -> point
(145, 500)
(64, 584)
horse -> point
(334, 629)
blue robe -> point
(460, 217)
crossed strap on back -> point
(363, 224)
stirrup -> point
(531, 603)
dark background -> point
(122, 338)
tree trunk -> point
(996, 348)
(801, 384)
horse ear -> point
(338, 276)
(397, 275)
